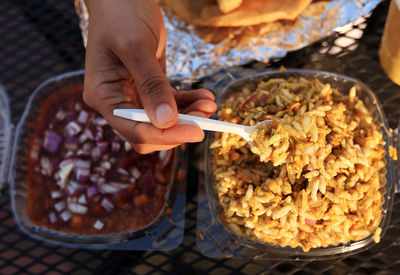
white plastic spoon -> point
(203, 123)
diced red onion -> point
(108, 188)
(100, 170)
(310, 222)
(83, 138)
(115, 146)
(113, 187)
(98, 225)
(71, 199)
(45, 172)
(78, 106)
(70, 116)
(73, 186)
(96, 153)
(102, 145)
(99, 134)
(61, 184)
(83, 154)
(248, 101)
(107, 203)
(52, 217)
(100, 190)
(83, 117)
(69, 154)
(101, 180)
(83, 164)
(77, 208)
(148, 183)
(310, 166)
(66, 163)
(56, 194)
(94, 178)
(72, 128)
(87, 146)
(51, 141)
(120, 185)
(60, 115)
(91, 191)
(35, 149)
(263, 98)
(71, 143)
(106, 165)
(47, 167)
(88, 133)
(128, 146)
(76, 185)
(66, 215)
(56, 164)
(135, 172)
(132, 180)
(59, 206)
(101, 121)
(113, 160)
(82, 199)
(123, 171)
(82, 175)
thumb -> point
(153, 88)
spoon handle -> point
(203, 123)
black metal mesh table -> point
(40, 39)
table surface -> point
(40, 39)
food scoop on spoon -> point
(203, 123)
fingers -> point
(205, 106)
(199, 100)
(153, 88)
(147, 133)
(148, 148)
(185, 98)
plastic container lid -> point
(5, 135)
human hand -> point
(125, 68)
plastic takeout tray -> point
(214, 239)
(164, 233)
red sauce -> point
(84, 178)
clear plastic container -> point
(165, 232)
(5, 135)
(214, 239)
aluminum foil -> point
(192, 52)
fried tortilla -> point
(226, 6)
(250, 12)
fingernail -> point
(197, 137)
(164, 113)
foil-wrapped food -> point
(206, 35)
